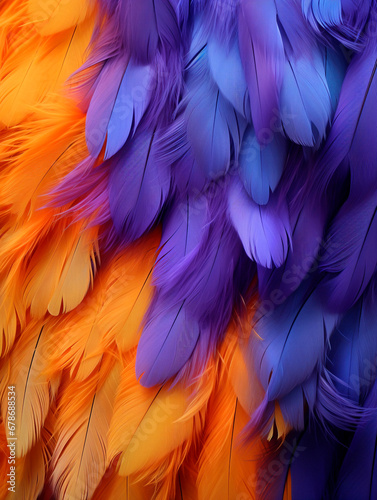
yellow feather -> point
(83, 418)
(112, 311)
(35, 389)
(147, 424)
(12, 312)
(52, 16)
(30, 474)
(226, 468)
(115, 486)
(76, 275)
(4, 467)
(129, 292)
(245, 382)
(38, 67)
(37, 156)
(61, 270)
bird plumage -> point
(187, 236)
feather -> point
(350, 144)
(344, 19)
(118, 104)
(307, 251)
(351, 262)
(152, 25)
(285, 357)
(27, 366)
(227, 71)
(31, 473)
(214, 128)
(354, 350)
(335, 68)
(115, 486)
(264, 230)
(25, 82)
(128, 294)
(166, 344)
(262, 54)
(12, 312)
(148, 424)
(305, 99)
(137, 194)
(184, 227)
(36, 156)
(359, 465)
(111, 313)
(261, 166)
(84, 414)
(227, 469)
(62, 270)
(191, 305)
(54, 17)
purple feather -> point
(352, 139)
(291, 342)
(138, 187)
(262, 54)
(352, 260)
(184, 228)
(358, 475)
(197, 284)
(167, 342)
(305, 100)
(264, 230)
(174, 148)
(151, 24)
(227, 71)
(353, 353)
(117, 106)
(214, 128)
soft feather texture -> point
(351, 262)
(26, 368)
(146, 355)
(350, 145)
(305, 99)
(152, 25)
(262, 53)
(261, 167)
(299, 329)
(227, 469)
(136, 194)
(117, 106)
(214, 127)
(264, 230)
(81, 430)
(61, 272)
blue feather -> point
(261, 166)
(119, 102)
(130, 105)
(214, 128)
(353, 259)
(358, 475)
(227, 71)
(353, 354)
(335, 69)
(305, 101)
(291, 342)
